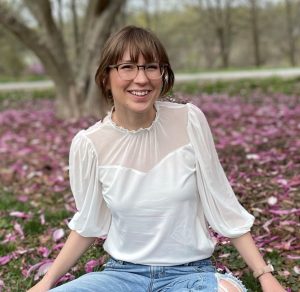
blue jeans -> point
(120, 276)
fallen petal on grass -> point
(58, 234)
(5, 259)
(18, 214)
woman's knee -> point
(228, 283)
(227, 286)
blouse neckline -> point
(127, 131)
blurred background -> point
(198, 34)
(60, 40)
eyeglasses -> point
(129, 71)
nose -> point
(141, 76)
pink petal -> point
(5, 259)
(284, 212)
(9, 237)
(296, 269)
(225, 255)
(284, 182)
(34, 268)
(293, 257)
(284, 273)
(90, 265)
(43, 270)
(252, 156)
(19, 230)
(58, 246)
(42, 219)
(58, 234)
(44, 251)
(66, 277)
(272, 201)
(22, 198)
(20, 214)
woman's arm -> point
(251, 255)
(74, 247)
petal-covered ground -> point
(258, 142)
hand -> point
(41, 286)
(270, 284)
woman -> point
(148, 178)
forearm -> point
(74, 247)
(251, 255)
(249, 252)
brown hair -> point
(138, 41)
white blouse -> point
(153, 192)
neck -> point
(133, 121)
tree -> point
(77, 94)
(255, 31)
(290, 32)
(219, 15)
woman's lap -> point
(103, 282)
(126, 277)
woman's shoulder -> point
(170, 105)
(177, 108)
(176, 105)
(86, 136)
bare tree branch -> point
(27, 36)
(41, 10)
(290, 32)
(76, 37)
(60, 15)
(255, 31)
(96, 35)
(94, 9)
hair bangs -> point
(145, 48)
(137, 43)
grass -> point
(241, 87)
(22, 78)
(19, 95)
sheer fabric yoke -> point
(143, 149)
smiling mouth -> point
(139, 92)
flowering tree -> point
(77, 94)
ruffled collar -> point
(124, 130)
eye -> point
(152, 67)
(127, 67)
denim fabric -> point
(120, 276)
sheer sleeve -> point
(221, 208)
(92, 218)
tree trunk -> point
(255, 33)
(290, 33)
(75, 96)
(220, 17)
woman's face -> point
(137, 95)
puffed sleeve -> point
(221, 208)
(92, 218)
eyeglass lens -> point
(129, 71)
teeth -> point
(140, 93)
